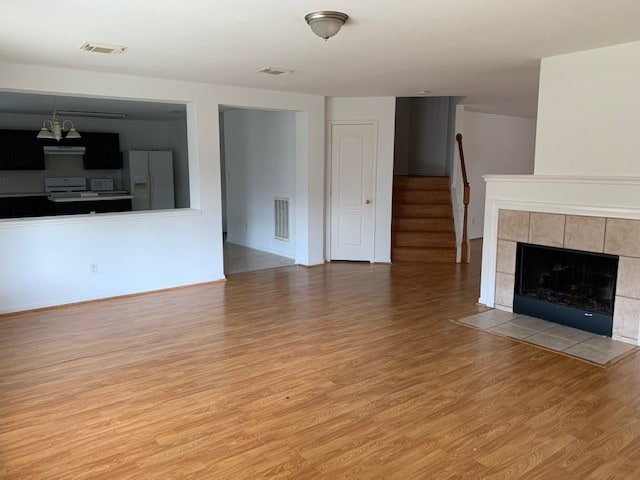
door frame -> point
(329, 178)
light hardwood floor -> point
(344, 371)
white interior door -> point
(352, 202)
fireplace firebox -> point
(570, 287)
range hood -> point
(63, 150)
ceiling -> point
(486, 50)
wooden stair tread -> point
(421, 254)
(424, 239)
(428, 224)
(420, 248)
(421, 210)
(420, 183)
(422, 223)
(421, 196)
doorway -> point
(258, 157)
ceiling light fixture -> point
(326, 24)
(52, 129)
(276, 71)
(424, 92)
(76, 113)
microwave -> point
(101, 184)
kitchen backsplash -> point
(32, 181)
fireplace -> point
(571, 287)
(599, 215)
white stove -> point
(62, 189)
(65, 186)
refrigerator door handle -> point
(150, 173)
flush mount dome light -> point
(326, 24)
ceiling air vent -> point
(103, 48)
(276, 71)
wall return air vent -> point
(281, 211)
(103, 48)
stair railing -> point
(465, 199)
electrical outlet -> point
(93, 268)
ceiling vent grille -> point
(276, 71)
(281, 210)
(103, 48)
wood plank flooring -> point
(344, 371)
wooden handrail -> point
(466, 196)
(462, 164)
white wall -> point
(46, 261)
(588, 108)
(32, 181)
(494, 144)
(382, 110)
(260, 157)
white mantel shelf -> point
(588, 180)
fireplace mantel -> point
(604, 197)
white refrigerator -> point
(148, 176)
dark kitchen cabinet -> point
(30, 206)
(39, 206)
(20, 150)
(92, 206)
(6, 207)
(103, 151)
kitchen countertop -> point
(91, 198)
(24, 194)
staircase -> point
(422, 229)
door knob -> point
(367, 202)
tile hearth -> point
(553, 336)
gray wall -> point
(223, 173)
(494, 144)
(424, 135)
(177, 143)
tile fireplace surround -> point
(589, 214)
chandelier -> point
(53, 129)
